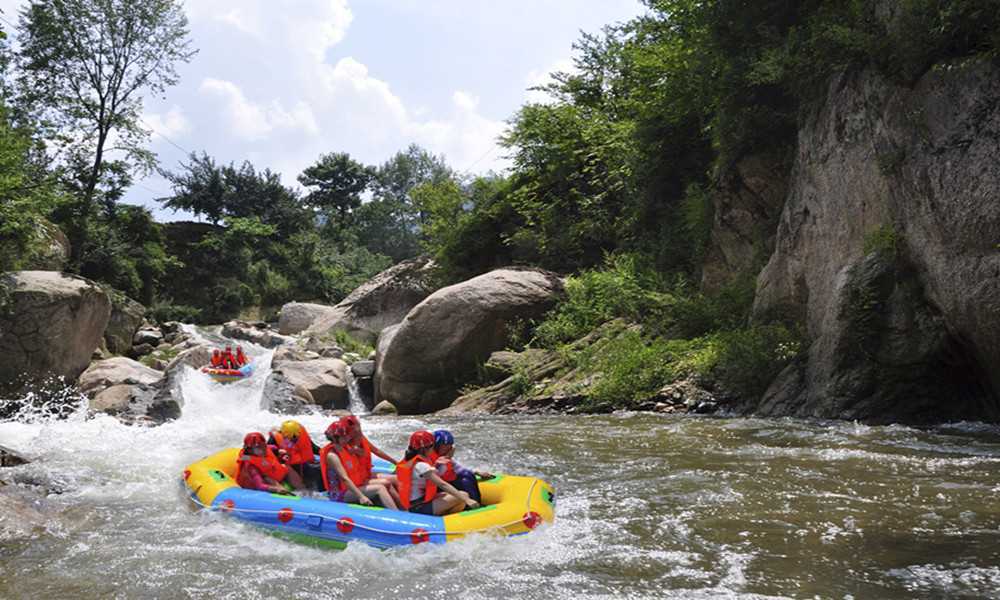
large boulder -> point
(440, 343)
(50, 324)
(379, 303)
(114, 371)
(126, 318)
(886, 251)
(323, 381)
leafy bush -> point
(349, 343)
(163, 312)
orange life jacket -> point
(350, 463)
(240, 357)
(449, 474)
(364, 463)
(404, 479)
(228, 361)
(217, 360)
(300, 452)
(268, 465)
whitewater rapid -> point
(649, 506)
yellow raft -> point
(512, 505)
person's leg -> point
(381, 492)
(445, 503)
(294, 479)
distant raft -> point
(229, 375)
(512, 505)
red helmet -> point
(254, 439)
(336, 429)
(351, 423)
(421, 439)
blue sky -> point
(278, 82)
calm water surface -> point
(648, 507)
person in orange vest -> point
(216, 359)
(297, 450)
(448, 468)
(420, 488)
(228, 361)
(241, 359)
(341, 472)
(361, 445)
(258, 467)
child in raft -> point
(258, 467)
(417, 482)
(345, 476)
(296, 449)
(450, 470)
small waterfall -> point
(355, 404)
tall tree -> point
(336, 183)
(84, 66)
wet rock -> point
(50, 323)
(282, 397)
(113, 371)
(112, 400)
(382, 301)
(384, 408)
(123, 325)
(324, 379)
(292, 354)
(363, 368)
(151, 337)
(257, 332)
(443, 339)
(140, 350)
(11, 458)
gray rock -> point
(113, 371)
(140, 350)
(383, 301)
(363, 368)
(384, 408)
(11, 458)
(441, 342)
(291, 354)
(325, 380)
(258, 333)
(50, 323)
(113, 400)
(912, 170)
(126, 318)
(152, 337)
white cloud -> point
(251, 121)
(541, 77)
(173, 124)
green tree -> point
(335, 184)
(84, 65)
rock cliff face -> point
(888, 251)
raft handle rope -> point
(210, 508)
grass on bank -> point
(676, 333)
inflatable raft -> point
(511, 506)
(229, 375)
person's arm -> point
(334, 461)
(447, 487)
(378, 452)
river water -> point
(649, 506)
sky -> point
(280, 82)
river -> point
(649, 506)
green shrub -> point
(163, 312)
(884, 240)
(623, 289)
(349, 343)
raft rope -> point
(210, 508)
